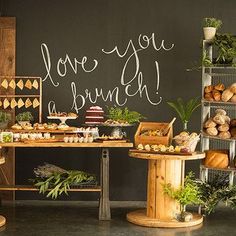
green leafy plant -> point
(212, 22)
(206, 60)
(24, 116)
(215, 191)
(55, 181)
(185, 109)
(226, 48)
(187, 194)
(124, 115)
(4, 117)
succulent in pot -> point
(24, 118)
(210, 25)
(4, 119)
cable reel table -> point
(161, 209)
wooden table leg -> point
(104, 202)
(161, 209)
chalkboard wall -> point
(132, 53)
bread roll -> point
(216, 95)
(212, 131)
(233, 123)
(217, 158)
(220, 111)
(209, 123)
(224, 127)
(219, 87)
(209, 97)
(233, 99)
(227, 119)
(233, 88)
(226, 95)
(219, 119)
(208, 89)
(225, 135)
(233, 132)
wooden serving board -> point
(43, 141)
(112, 141)
(164, 153)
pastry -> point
(16, 126)
(212, 131)
(209, 123)
(227, 119)
(208, 89)
(216, 95)
(20, 103)
(6, 103)
(221, 112)
(226, 95)
(20, 84)
(225, 135)
(13, 103)
(219, 87)
(4, 84)
(233, 99)
(12, 84)
(233, 88)
(62, 127)
(28, 103)
(71, 114)
(217, 158)
(233, 132)
(28, 84)
(35, 103)
(209, 97)
(224, 127)
(219, 119)
(35, 84)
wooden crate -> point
(166, 140)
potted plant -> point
(24, 118)
(185, 109)
(4, 119)
(226, 48)
(187, 194)
(210, 25)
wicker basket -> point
(190, 144)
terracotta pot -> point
(209, 33)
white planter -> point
(209, 32)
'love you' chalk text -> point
(130, 84)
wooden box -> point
(165, 140)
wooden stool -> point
(161, 209)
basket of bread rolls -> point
(218, 125)
(220, 93)
(187, 140)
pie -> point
(35, 103)
(35, 84)
(6, 103)
(4, 84)
(20, 103)
(28, 84)
(20, 84)
(12, 84)
(13, 103)
(28, 103)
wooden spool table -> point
(2, 218)
(161, 209)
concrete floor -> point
(46, 218)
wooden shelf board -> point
(69, 145)
(230, 169)
(218, 138)
(218, 102)
(32, 188)
(20, 96)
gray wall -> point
(83, 28)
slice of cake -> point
(94, 115)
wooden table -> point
(2, 218)
(161, 209)
(104, 202)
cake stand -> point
(63, 119)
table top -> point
(70, 145)
(158, 156)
